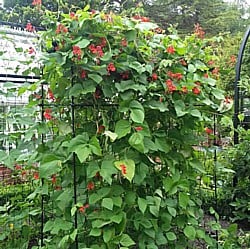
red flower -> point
(77, 51)
(53, 179)
(215, 71)
(154, 76)
(138, 128)
(58, 187)
(184, 89)
(208, 131)
(51, 95)
(210, 63)
(196, 90)
(47, 114)
(18, 167)
(96, 49)
(90, 186)
(73, 16)
(170, 50)
(103, 42)
(29, 27)
(124, 42)
(206, 75)
(83, 208)
(171, 86)
(125, 75)
(227, 100)
(37, 2)
(31, 50)
(123, 169)
(183, 62)
(111, 67)
(198, 31)
(83, 74)
(61, 29)
(23, 173)
(101, 129)
(36, 175)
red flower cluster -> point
(183, 62)
(61, 29)
(227, 100)
(103, 42)
(90, 186)
(184, 89)
(177, 76)
(196, 90)
(170, 49)
(111, 67)
(96, 50)
(73, 16)
(18, 167)
(29, 27)
(77, 51)
(31, 50)
(215, 71)
(125, 75)
(53, 179)
(83, 208)
(36, 175)
(101, 129)
(208, 131)
(141, 18)
(51, 95)
(37, 2)
(123, 169)
(83, 74)
(198, 31)
(138, 128)
(124, 42)
(171, 86)
(47, 114)
(154, 76)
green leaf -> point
(108, 170)
(196, 164)
(191, 68)
(129, 168)
(111, 135)
(122, 128)
(95, 146)
(137, 66)
(95, 77)
(156, 105)
(180, 108)
(190, 232)
(107, 203)
(172, 211)
(83, 43)
(94, 197)
(117, 200)
(142, 204)
(183, 199)
(49, 168)
(162, 145)
(195, 113)
(108, 233)
(95, 232)
(117, 218)
(130, 35)
(171, 236)
(137, 111)
(83, 152)
(136, 141)
(76, 90)
(126, 240)
(218, 93)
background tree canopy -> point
(215, 16)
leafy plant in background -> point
(120, 106)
